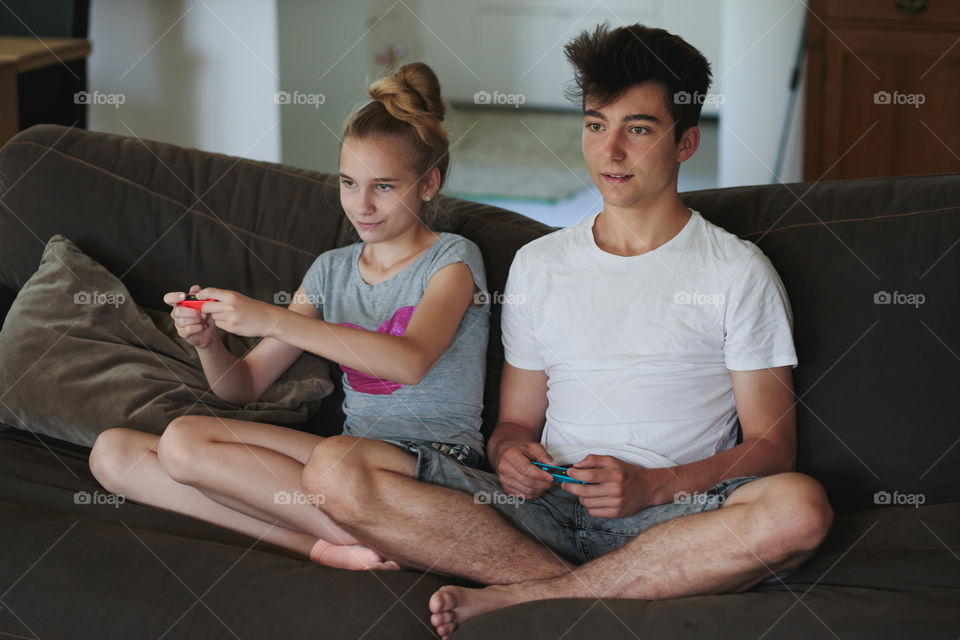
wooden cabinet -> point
(20, 54)
(883, 88)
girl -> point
(397, 310)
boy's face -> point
(629, 146)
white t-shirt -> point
(638, 349)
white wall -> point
(197, 74)
(324, 49)
(205, 74)
(759, 46)
(750, 43)
(516, 46)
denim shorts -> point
(557, 519)
(460, 453)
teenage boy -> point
(641, 338)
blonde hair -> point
(407, 104)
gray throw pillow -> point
(78, 356)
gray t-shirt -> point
(445, 406)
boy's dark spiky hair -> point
(608, 62)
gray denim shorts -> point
(557, 519)
(460, 453)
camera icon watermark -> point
(497, 297)
(695, 297)
(98, 498)
(286, 298)
(497, 497)
(696, 498)
(913, 299)
(298, 497)
(312, 99)
(95, 97)
(885, 498)
(487, 98)
(685, 97)
(885, 97)
(115, 298)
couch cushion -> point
(77, 356)
(825, 612)
(878, 363)
(78, 564)
(881, 573)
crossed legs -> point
(244, 476)
(769, 525)
(369, 489)
(764, 527)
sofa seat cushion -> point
(881, 574)
(892, 572)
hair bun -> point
(412, 94)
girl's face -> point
(380, 194)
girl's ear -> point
(430, 184)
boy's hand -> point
(238, 314)
(517, 475)
(618, 489)
(193, 326)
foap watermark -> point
(96, 97)
(312, 99)
(695, 297)
(285, 297)
(496, 297)
(685, 97)
(487, 98)
(298, 497)
(885, 498)
(696, 498)
(98, 497)
(897, 297)
(885, 97)
(497, 497)
(116, 298)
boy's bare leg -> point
(766, 526)
(370, 491)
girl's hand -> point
(193, 326)
(238, 314)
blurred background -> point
(274, 80)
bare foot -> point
(354, 557)
(452, 606)
(386, 565)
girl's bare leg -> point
(241, 475)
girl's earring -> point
(427, 199)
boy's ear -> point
(689, 141)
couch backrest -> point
(871, 267)
(163, 217)
(877, 383)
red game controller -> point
(193, 302)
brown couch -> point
(876, 387)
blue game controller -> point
(559, 473)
